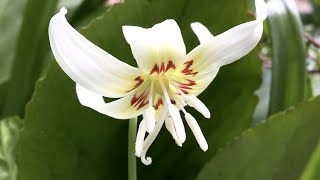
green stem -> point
(132, 165)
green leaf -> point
(9, 136)
(289, 55)
(311, 171)
(85, 11)
(78, 143)
(276, 149)
(32, 47)
(63, 140)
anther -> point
(194, 126)
(170, 128)
(194, 102)
(140, 138)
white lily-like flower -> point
(167, 80)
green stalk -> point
(132, 164)
(289, 54)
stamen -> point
(194, 102)
(175, 114)
(149, 118)
(152, 136)
(194, 126)
(170, 128)
(140, 138)
(150, 112)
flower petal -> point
(124, 108)
(87, 64)
(156, 49)
(202, 32)
(230, 45)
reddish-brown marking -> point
(158, 104)
(139, 82)
(163, 67)
(139, 101)
(187, 70)
(187, 86)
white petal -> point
(230, 45)
(194, 126)
(149, 117)
(170, 128)
(87, 64)
(155, 47)
(119, 109)
(202, 32)
(140, 138)
(177, 121)
(194, 84)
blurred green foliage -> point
(288, 56)
(276, 149)
(9, 136)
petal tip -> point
(261, 9)
(63, 10)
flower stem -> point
(132, 165)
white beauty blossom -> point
(167, 78)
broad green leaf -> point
(311, 171)
(30, 53)
(78, 143)
(9, 136)
(276, 149)
(289, 55)
(86, 11)
(63, 140)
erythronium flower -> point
(167, 80)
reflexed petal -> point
(230, 45)
(87, 64)
(124, 108)
(159, 48)
(202, 32)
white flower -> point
(167, 80)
